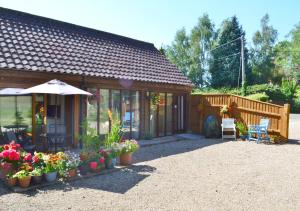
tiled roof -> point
(35, 43)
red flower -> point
(35, 159)
(27, 157)
(93, 165)
(6, 147)
(101, 160)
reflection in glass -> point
(135, 122)
(153, 118)
(161, 114)
(126, 113)
(169, 113)
(115, 104)
(92, 108)
(103, 111)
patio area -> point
(193, 174)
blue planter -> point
(50, 177)
(110, 163)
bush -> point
(259, 96)
(295, 108)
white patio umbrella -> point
(55, 87)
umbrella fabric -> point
(11, 91)
(55, 87)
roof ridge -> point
(83, 29)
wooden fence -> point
(243, 109)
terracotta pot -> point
(126, 159)
(11, 181)
(24, 182)
(5, 168)
(72, 173)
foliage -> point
(242, 128)
(52, 162)
(21, 174)
(289, 89)
(129, 146)
(224, 109)
(188, 51)
(37, 172)
(224, 65)
(115, 134)
(259, 96)
(155, 98)
(89, 137)
(263, 52)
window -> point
(16, 114)
(161, 114)
(169, 113)
(116, 103)
(92, 108)
(126, 119)
(103, 111)
(135, 114)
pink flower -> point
(101, 160)
(35, 159)
(27, 157)
(93, 165)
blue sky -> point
(156, 21)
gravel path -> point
(186, 175)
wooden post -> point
(201, 117)
(285, 118)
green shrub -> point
(295, 108)
(259, 96)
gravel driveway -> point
(186, 175)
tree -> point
(295, 51)
(178, 52)
(188, 52)
(201, 41)
(262, 54)
(224, 65)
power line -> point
(231, 55)
(224, 44)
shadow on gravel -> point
(294, 141)
(117, 182)
(153, 152)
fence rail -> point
(243, 109)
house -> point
(129, 77)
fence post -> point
(201, 108)
(285, 118)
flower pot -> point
(243, 137)
(98, 169)
(51, 176)
(72, 173)
(5, 168)
(11, 181)
(37, 179)
(24, 182)
(110, 163)
(84, 169)
(126, 159)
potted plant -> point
(23, 177)
(10, 179)
(242, 128)
(110, 155)
(127, 148)
(51, 167)
(37, 175)
(72, 163)
(10, 158)
(97, 165)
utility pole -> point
(243, 60)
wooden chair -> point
(260, 131)
(228, 126)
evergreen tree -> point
(225, 62)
